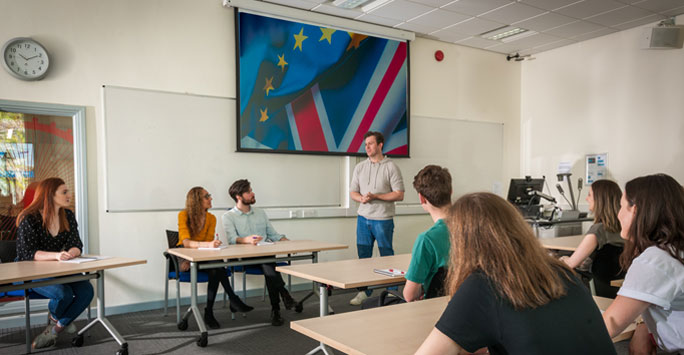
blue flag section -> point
(313, 89)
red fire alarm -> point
(439, 55)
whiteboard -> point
(471, 150)
(158, 145)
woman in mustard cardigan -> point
(196, 227)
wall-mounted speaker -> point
(662, 38)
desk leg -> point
(203, 339)
(78, 340)
(323, 294)
(27, 315)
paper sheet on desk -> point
(217, 248)
(390, 272)
(265, 243)
(79, 260)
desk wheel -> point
(77, 341)
(299, 307)
(203, 340)
(123, 350)
(183, 324)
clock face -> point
(25, 59)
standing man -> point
(376, 185)
(245, 224)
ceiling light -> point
(374, 5)
(507, 34)
(349, 4)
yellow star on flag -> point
(299, 38)
(355, 40)
(269, 85)
(264, 115)
(281, 61)
(327, 34)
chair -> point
(436, 288)
(606, 268)
(256, 270)
(173, 273)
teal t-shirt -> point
(430, 252)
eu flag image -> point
(312, 89)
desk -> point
(238, 252)
(617, 283)
(26, 271)
(562, 243)
(358, 332)
(346, 274)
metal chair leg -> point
(178, 315)
(263, 297)
(166, 290)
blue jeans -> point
(67, 301)
(367, 232)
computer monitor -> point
(519, 188)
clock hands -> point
(29, 57)
(24, 57)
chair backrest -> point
(606, 263)
(172, 238)
(436, 288)
(8, 250)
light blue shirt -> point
(239, 224)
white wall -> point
(188, 46)
(604, 95)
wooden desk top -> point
(234, 251)
(351, 273)
(33, 270)
(617, 283)
(366, 332)
(562, 243)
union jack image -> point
(305, 88)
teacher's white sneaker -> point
(360, 297)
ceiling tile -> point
(535, 40)
(659, 5)
(574, 29)
(587, 8)
(590, 35)
(478, 42)
(337, 11)
(475, 7)
(378, 20)
(448, 36)
(544, 22)
(674, 12)
(549, 4)
(416, 27)
(505, 48)
(439, 18)
(300, 4)
(548, 46)
(401, 10)
(512, 13)
(433, 3)
(625, 14)
(474, 26)
(642, 21)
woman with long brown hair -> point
(652, 218)
(47, 230)
(601, 246)
(507, 293)
(196, 228)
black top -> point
(32, 236)
(478, 317)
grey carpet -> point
(150, 333)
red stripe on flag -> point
(403, 150)
(308, 124)
(385, 84)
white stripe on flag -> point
(293, 127)
(373, 83)
(323, 117)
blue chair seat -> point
(185, 276)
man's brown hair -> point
(434, 183)
(238, 188)
(379, 138)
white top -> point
(658, 278)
